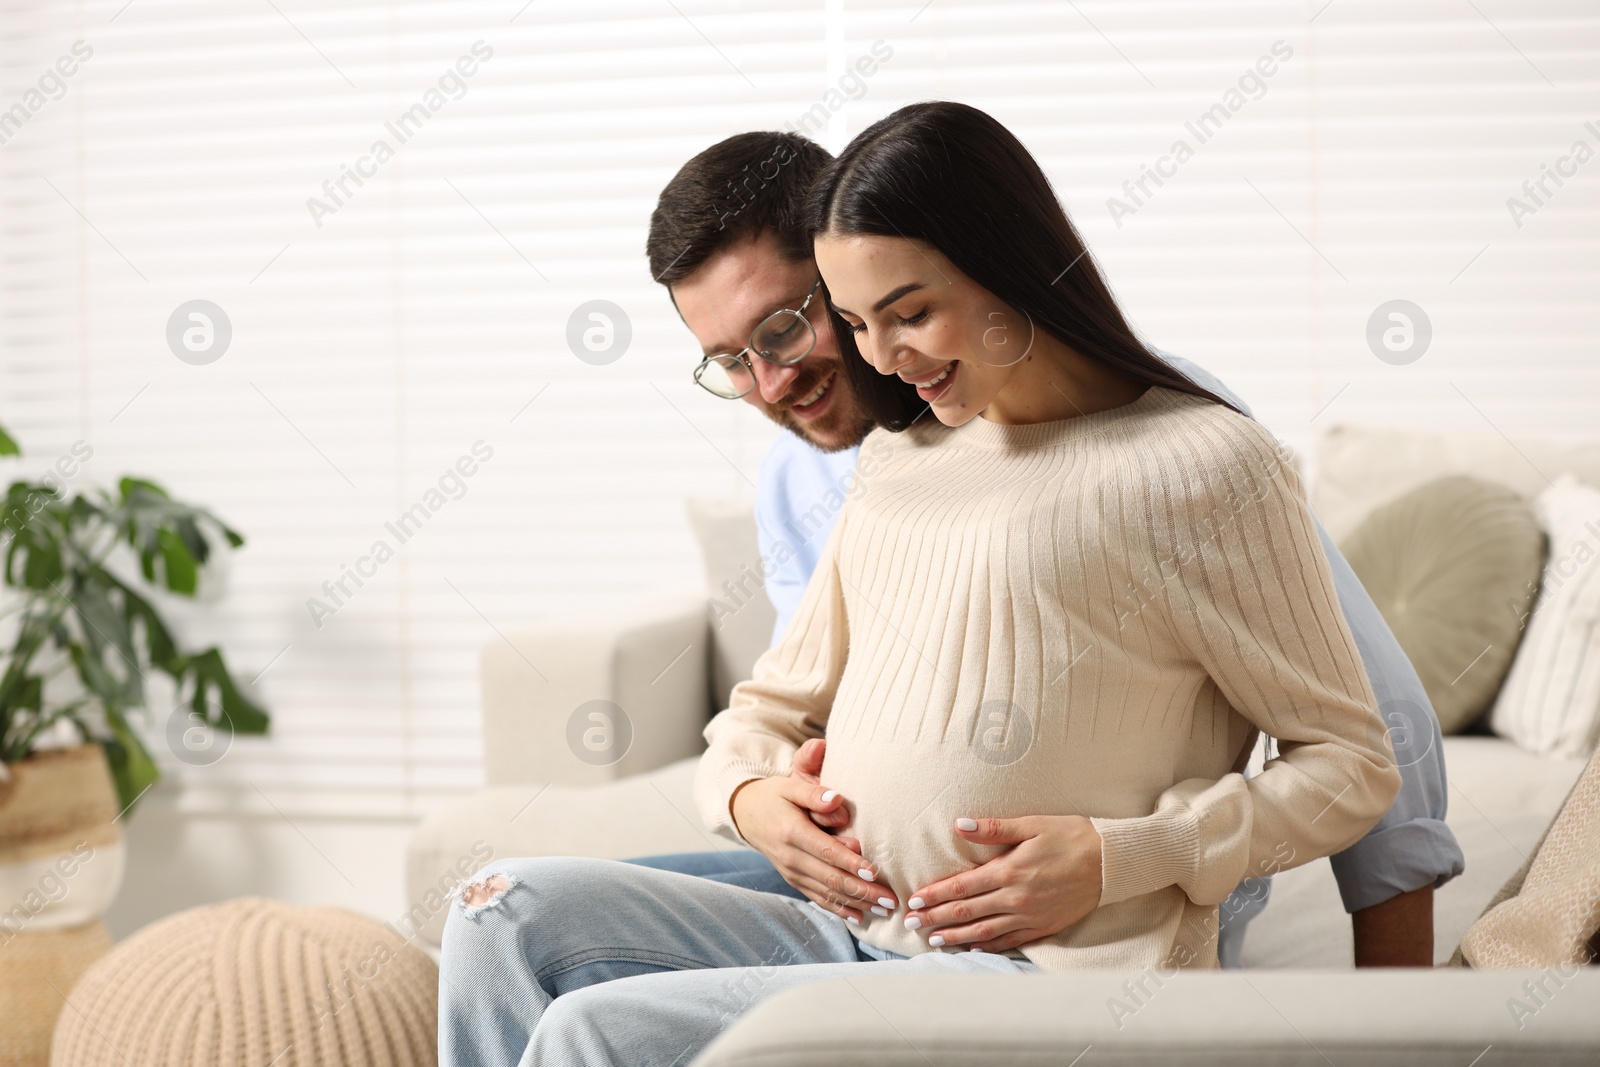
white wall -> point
(177, 861)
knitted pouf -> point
(253, 983)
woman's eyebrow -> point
(909, 287)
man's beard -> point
(832, 432)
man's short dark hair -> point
(733, 191)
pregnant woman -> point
(1079, 590)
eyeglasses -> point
(783, 337)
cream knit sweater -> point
(1093, 616)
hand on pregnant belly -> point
(784, 819)
(1047, 881)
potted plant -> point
(81, 640)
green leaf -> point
(8, 447)
(131, 487)
(105, 627)
(114, 692)
(180, 565)
(194, 541)
(23, 694)
(105, 623)
(33, 517)
(132, 769)
(154, 525)
(20, 690)
(211, 674)
(42, 567)
(136, 609)
(48, 719)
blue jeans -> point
(576, 961)
(743, 866)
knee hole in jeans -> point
(476, 897)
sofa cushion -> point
(1501, 800)
(540, 683)
(1400, 1017)
(1551, 700)
(740, 615)
(640, 815)
(1452, 566)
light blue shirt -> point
(799, 494)
(801, 490)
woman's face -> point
(915, 315)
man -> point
(726, 240)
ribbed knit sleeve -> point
(1246, 589)
(785, 703)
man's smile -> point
(816, 403)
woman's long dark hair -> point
(951, 176)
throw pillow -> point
(1452, 565)
(1551, 700)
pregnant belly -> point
(904, 800)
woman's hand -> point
(807, 767)
(1049, 881)
(780, 816)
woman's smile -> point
(931, 387)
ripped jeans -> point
(566, 961)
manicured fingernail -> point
(868, 875)
(974, 948)
(829, 795)
(936, 941)
(913, 923)
(887, 902)
(852, 918)
(876, 910)
(966, 824)
(918, 902)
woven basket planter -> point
(61, 863)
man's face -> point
(737, 288)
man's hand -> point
(1396, 933)
(1049, 881)
(780, 817)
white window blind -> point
(1374, 164)
(381, 332)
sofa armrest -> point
(1138, 1019)
(640, 816)
(652, 663)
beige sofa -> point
(668, 668)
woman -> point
(1080, 590)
